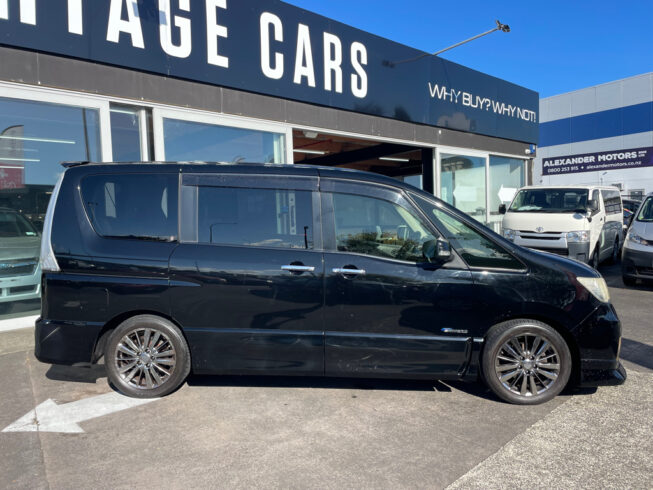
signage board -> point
(272, 48)
(601, 161)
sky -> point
(554, 46)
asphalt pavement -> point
(243, 432)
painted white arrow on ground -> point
(50, 417)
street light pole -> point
(500, 27)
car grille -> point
(557, 251)
(547, 235)
(11, 268)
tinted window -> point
(255, 217)
(473, 247)
(132, 205)
(611, 201)
(376, 227)
(549, 201)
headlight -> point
(578, 236)
(596, 286)
(509, 234)
(635, 238)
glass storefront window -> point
(463, 183)
(125, 134)
(507, 175)
(194, 141)
(35, 137)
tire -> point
(152, 354)
(629, 281)
(543, 380)
(614, 258)
(594, 262)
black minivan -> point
(169, 268)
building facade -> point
(226, 80)
(599, 135)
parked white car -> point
(637, 256)
(580, 222)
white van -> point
(580, 222)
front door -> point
(387, 311)
(247, 278)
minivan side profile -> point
(580, 222)
(166, 269)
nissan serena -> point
(168, 269)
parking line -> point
(18, 323)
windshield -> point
(549, 201)
(646, 211)
(14, 225)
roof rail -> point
(74, 164)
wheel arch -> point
(558, 327)
(100, 342)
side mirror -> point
(437, 250)
(502, 209)
(593, 205)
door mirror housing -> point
(502, 209)
(438, 250)
(593, 206)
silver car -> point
(637, 255)
(20, 274)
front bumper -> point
(637, 264)
(67, 343)
(599, 344)
(20, 288)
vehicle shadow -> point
(79, 374)
(637, 352)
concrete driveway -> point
(326, 433)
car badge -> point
(539, 229)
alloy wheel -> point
(527, 365)
(145, 358)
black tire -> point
(594, 262)
(614, 258)
(629, 281)
(164, 350)
(539, 392)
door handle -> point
(297, 268)
(352, 272)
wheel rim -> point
(145, 358)
(527, 365)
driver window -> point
(371, 226)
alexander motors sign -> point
(593, 162)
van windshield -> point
(550, 201)
(646, 211)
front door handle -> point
(349, 272)
(297, 268)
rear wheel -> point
(594, 261)
(146, 356)
(629, 281)
(614, 258)
(526, 362)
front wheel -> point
(525, 362)
(595, 260)
(147, 356)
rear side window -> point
(277, 218)
(142, 206)
(612, 202)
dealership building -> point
(599, 135)
(237, 81)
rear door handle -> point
(351, 272)
(297, 268)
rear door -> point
(247, 277)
